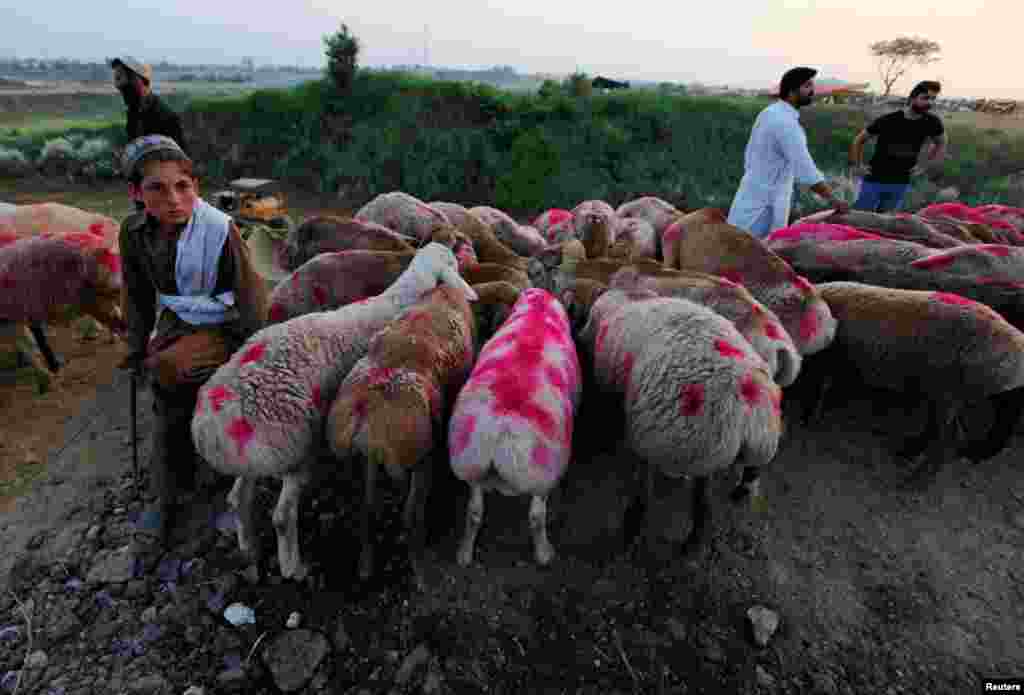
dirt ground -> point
(880, 586)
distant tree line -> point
(89, 71)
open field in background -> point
(479, 145)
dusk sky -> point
(745, 44)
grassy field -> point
(478, 145)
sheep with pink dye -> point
(405, 214)
(327, 233)
(262, 413)
(511, 428)
(698, 399)
(549, 221)
(655, 211)
(524, 240)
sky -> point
(739, 43)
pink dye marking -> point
(542, 457)
(557, 378)
(242, 432)
(950, 298)
(733, 276)
(8, 238)
(777, 402)
(772, 330)
(938, 260)
(802, 284)
(691, 400)
(217, 395)
(757, 310)
(96, 228)
(276, 312)
(808, 325)
(727, 349)
(463, 432)
(380, 375)
(295, 280)
(726, 282)
(750, 390)
(673, 233)
(319, 295)
(994, 249)
(253, 354)
(602, 333)
(318, 402)
(109, 260)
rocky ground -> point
(848, 583)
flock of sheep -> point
(419, 334)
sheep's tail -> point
(487, 450)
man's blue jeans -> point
(880, 197)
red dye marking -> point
(777, 402)
(673, 233)
(253, 354)
(950, 298)
(318, 402)
(319, 295)
(295, 280)
(8, 238)
(276, 312)
(727, 349)
(199, 407)
(994, 249)
(96, 228)
(109, 260)
(937, 260)
(515, 375)
(820, 231)
(217, 396)
(691, 400)
(602, 333)
(750, 390)
(557, 378)
(772, 330)
(380, 375)
(241, 432)
(541, 457)
(802, 284)
(1000, 224)
(757, 310)
(733, 276)
(463, 433)
(808, 325)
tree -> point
(578, 84)
(342, 51)
(895, 57)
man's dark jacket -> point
(153, 117)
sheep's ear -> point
(450, 276)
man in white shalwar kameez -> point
(777, 157)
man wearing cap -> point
(191, 296)
(776, 157)
(147, 113)
(901, 135)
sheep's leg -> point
(698, 513)
(543, 550)
(636, 514)
(1008, 407)
(241, 497)
(749, 485)
(286, 523)
(415, 516)
(53, 362)
(941, 414)
(366, 529)
(474, 520)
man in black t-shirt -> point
(901, 135)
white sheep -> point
(405, 214)
(698, 399)
(655, 211)
(511, 427)
(524, 240)
(262, 413)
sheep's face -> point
(438, 262)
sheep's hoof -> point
(464, 557)
(365, 565)
(545, 555)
